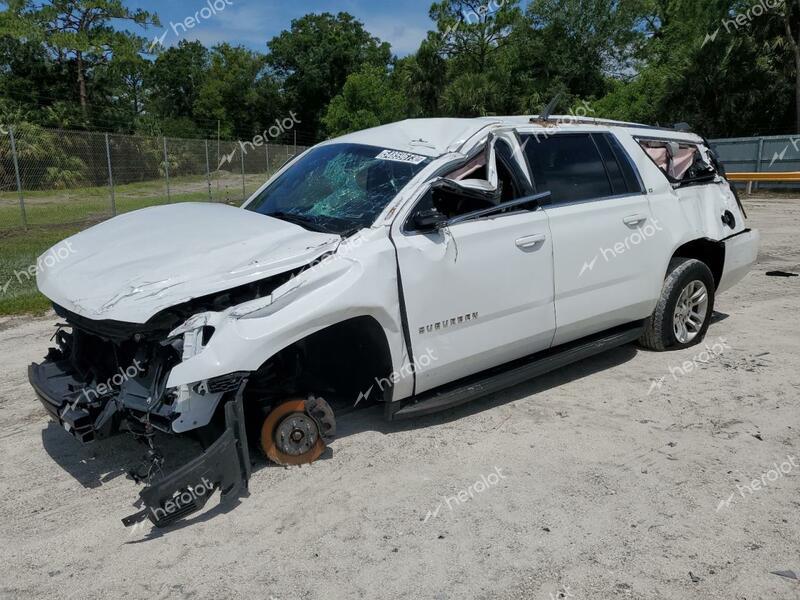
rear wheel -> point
(683, 314)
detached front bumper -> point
(224, 466)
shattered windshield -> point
(339, 188)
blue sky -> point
(251, 23)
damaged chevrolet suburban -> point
(420, 265)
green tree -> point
(581, 43)
(316, 56)
(234, 91)
(791, 40)
(78, 32)
(369, 98)
(29, 80)
(698, 65)
(473, 31)
(421, 77)
(176, 78)
(463, 66)
(121, 88)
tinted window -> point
(618, 183)
(632, 179)
(569, 166)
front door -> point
(478, 293)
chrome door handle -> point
(530, 241)
(634, 220)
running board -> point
(496, 380)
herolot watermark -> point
(186, 498)
(744, 19)
(478, 14)
(779, 156)
(641, 235)
(342, 251)
(114, 382)
(766, 479)
(407, 370)
(49, 259)
(771, 476)
(281, 127)
(212, 8)
(484, 483)
(703, 358)
(575, 116)
(637, 238)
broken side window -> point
(682, 162)
(475, 191)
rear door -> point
(607, 247)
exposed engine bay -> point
(104, 378)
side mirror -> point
(428, 221)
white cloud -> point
(238, 24)
(404, 37)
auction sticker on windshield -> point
(404, 157)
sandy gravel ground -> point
(606, 484)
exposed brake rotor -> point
(295, 432)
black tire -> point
(659, 334)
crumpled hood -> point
(135, 265)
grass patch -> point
(88, 204)
(93, 204)
(57, 214)
(54, 215)
(18, 251)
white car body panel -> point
(526, 297)
(446, 277)
(741, 253)
(606, 271)
(133, 266)
(359, 280)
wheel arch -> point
(344, 357)
(708, 251)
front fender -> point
(341, 288)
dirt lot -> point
(621, 477)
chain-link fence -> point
(53, 177)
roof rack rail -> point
(567, 119)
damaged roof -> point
(435, 137)
(426, 137)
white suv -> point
(419, 264)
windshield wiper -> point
(302, 222)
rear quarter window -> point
(681, 162)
